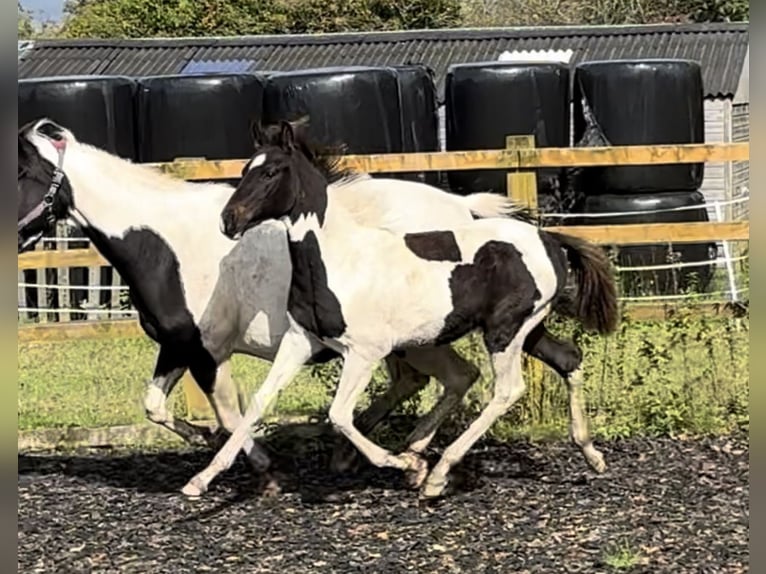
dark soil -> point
(662, 506)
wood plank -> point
(69, 258)
(638, 233)
(193, 169)
(624, 234)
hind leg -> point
(456, 376)
(405, 382)
(566, 359)
(504, 343)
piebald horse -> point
(365, 292)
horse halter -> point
(45, 207)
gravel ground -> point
(662, 506)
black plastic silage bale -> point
(205, 115)
(641, 102)
(485, 102)
(420, 116)
(353, 106)
(669, 207)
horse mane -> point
(328, 159)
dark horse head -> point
(276, 178)
(44, 193)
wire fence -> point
(647, 273)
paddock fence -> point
(53, 307)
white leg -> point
(578, 422)
(405, 382)
(354, 378)
(509, 387)
(295, 350)
(225, 402)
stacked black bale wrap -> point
(356, 107)
(485, 102)
(644, 102)
(419, 106)
(202, 115)
(99, 111)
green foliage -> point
(685, 375)
(596, 12)
(174, 18)
(26, 29)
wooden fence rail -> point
(520, 158)
(192, 169)
(626, 234)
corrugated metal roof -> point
(719, 48)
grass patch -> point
(622, 557)
(687, 375)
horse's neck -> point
(115, 195)
(147, 224)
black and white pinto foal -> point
(200, 295)
(366, 291)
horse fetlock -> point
(417, 469)
(594, 458)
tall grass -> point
(687, 374)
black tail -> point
(595, 303)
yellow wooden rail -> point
(193, 169)
(626, 234)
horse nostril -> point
(226, 223)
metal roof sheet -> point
(719, 48)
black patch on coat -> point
(495, 292)
(310, 301)
(151, 269)
(433, 245)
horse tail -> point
(595, 302)
(486, 205)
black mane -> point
(328, 159)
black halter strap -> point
(45, 207)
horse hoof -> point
(193, 489)
(270, 487)
(596, 462)
(416, 474)
(433, 489)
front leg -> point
(295, 349)
(168, 370)
(356, 375)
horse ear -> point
(256, 133)
(287, 138)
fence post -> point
(522, 188)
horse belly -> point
(400, 310)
